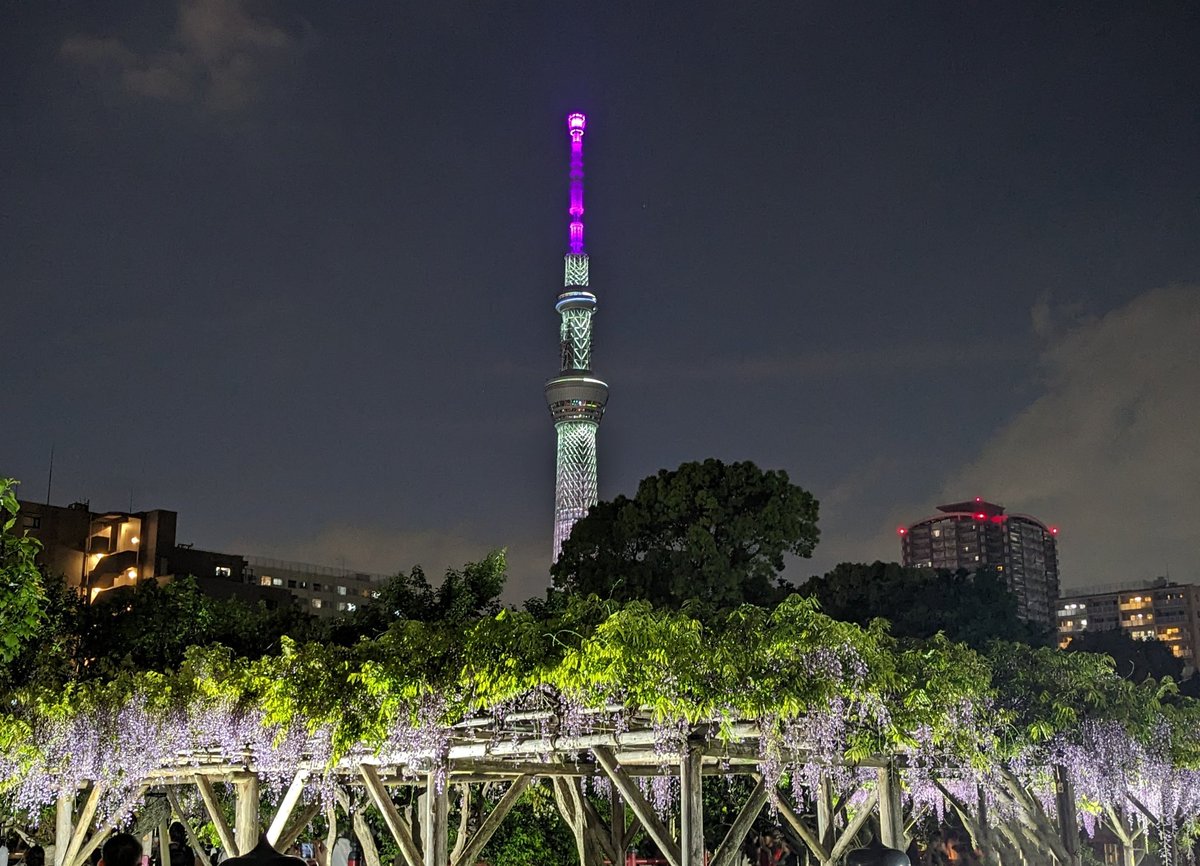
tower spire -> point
(576, 398)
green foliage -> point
(974, 608)
(463, 595)
(21, 595)
(710, 531)
(532, 832)
(1043, 692)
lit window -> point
(316, 602)
(224, 571)
(265, 580)
(277, 581)
(341, 590)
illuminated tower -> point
(576, 398)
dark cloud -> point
(218, 57)
(1108, 449)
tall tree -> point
(711, 531)
(464, 594)
(21, 593)
(973, 608)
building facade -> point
(97, 551)
(976, 534)
(1162, 610)
(321, 590)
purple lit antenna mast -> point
(576, 123)
(576, 398)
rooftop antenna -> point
(50, 474)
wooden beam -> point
(391, 816)
(633, 796)
(632, 831)
(1068, 826)
(825, 812)
(292, 833)
(106, 827)
(331, 835)
(596, 827)
(246, 828)
(730, 848)
(64, 817)
(83, 823)
(846, 839)
(290, 798)
(193, 839)
(464, 820)
(616, 821)
(474, 847)
(435, 829)
(164, 843)
(891, 812)
(365, 838)
(209, 797)
(801, 829)
(691, 808)
(568, 809)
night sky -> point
(289, 268)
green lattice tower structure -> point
(575, 396)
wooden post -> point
(616, 820)
(730, 849)
(164, 843)
(633, 796)
(193, 839)
(891, 814)
(812, 840)
(491, 823)
(216, 816)
(290, 798)
(691, 807)
(1068, 822)
(246, 815)
(293, 831)
(391, 815)
(63, 824)
(363, 831)
(331, 834)
(83, 823)
(435, 828)
(825, 828)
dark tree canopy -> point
(464, 594)
(711, 531)
(973, 608)
(1135, 659)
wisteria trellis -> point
(791, 694)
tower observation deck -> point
(575, 396)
